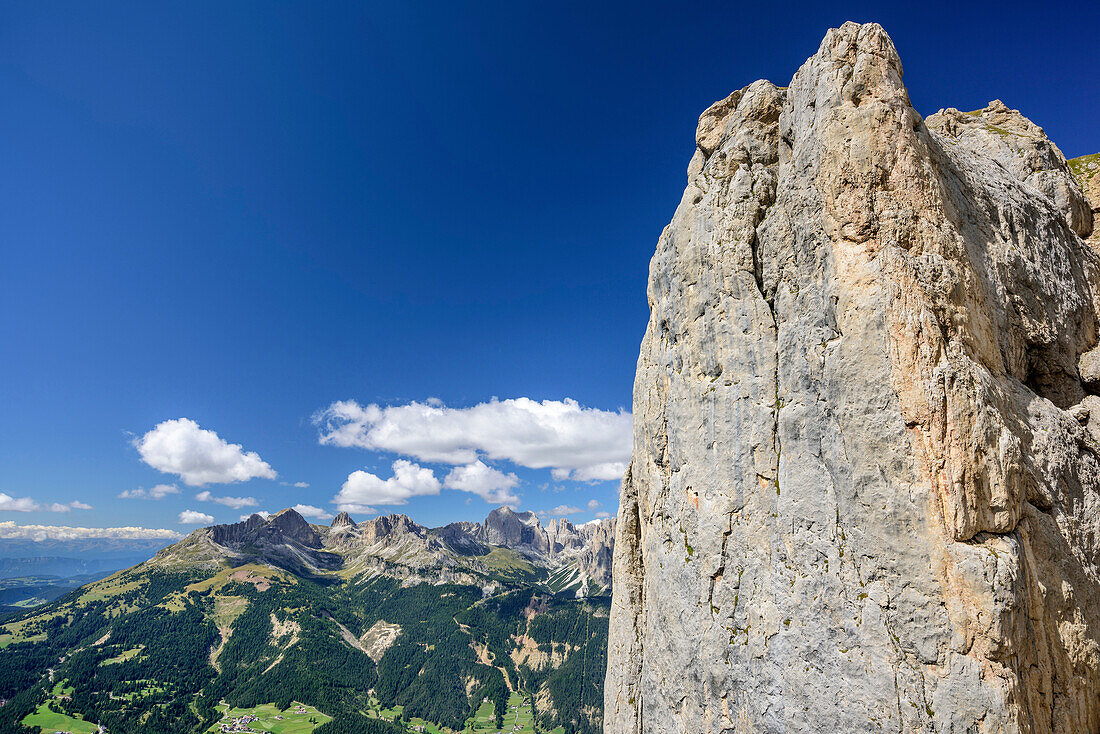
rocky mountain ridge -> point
(865, 483)
(576, 556)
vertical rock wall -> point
(864, 494)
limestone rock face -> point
(1022, 149)
(588, 547)
(1087, 170)
(864, 494)
(519, 530)
(342, 520)
(283, 527)
(284, 540)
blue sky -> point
(227, 217)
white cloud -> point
(26, 504)
(596, 473)
(262, 513)
(363, 488)
(191, 517)
(158, 492)
(199, 456)
(562, 511)
(578, 443)
(593, 505)
(311, 511)
(602, 515)
(486, 482)
(301, 485)
(21, 504)
(10, 531)
(235, 502)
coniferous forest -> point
(150, 651)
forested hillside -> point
(161, 646)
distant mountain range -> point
(62, 566)
(360, 620)
(85, 550)
(560, 556)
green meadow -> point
(290, 723)
(48, 721)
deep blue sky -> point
(239, 213)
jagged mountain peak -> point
(284, 540)
(385, 526)
(342, 520)
(284, 526)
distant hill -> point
(62, 566)
(87, 550)
(348, 618)
(26, 592)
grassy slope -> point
(292, 722)
(50, 721)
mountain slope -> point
(347, 618)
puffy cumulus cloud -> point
(577, 443)
(63, 507)
(311, 511)
(17, 504)
(191, 517)
(262, 513)
(593, 505)
(26, 504)
(10, 531)
(363, 488)
(158, 492)
(199, 456)
(486, 482)
(235, 502)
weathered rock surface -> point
(342, 520)
(518, 530)
(1087, 170)
(284, 540)
(397, 546)
(864, 494)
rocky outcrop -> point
(1023, 150)
(863, 494)
(1087, 170)
(283, 527)
(587, 547)
(517, 530)
(284, 540)
(461, 538)
(342, 520)
(390, 528)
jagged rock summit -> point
(342, 520)
(865, 491)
